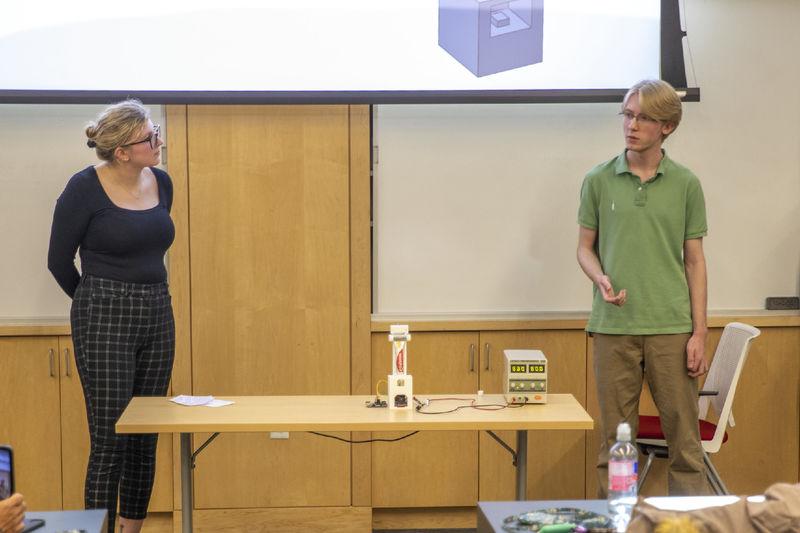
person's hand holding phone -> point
(12, 514)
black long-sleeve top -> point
(115, 243)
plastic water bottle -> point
(623, 469)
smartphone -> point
(7, 484)
(32, 523)
(6, 471)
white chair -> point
(718, 390)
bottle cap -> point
(624, 432)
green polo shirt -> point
(641, 229)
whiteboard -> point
(41, 147)
(475, 206)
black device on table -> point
(7, 484)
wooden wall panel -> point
(270, 290)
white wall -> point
(41, 147)
(475, 205)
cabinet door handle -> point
(472, 358)
(66, 362)
(488, 349)
(52, 354)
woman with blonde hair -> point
(117, 214)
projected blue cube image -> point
(490, 36)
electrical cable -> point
(471, 405)
(362, 441)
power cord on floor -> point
(362, 441)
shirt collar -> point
(622, 167)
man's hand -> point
(12, 513)
(590, 264)
(607, 290)
(696, 363)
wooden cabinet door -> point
(431, 468)
(75, 441)
(31, 420)
(556, 458)
(74, 428)
(270, 291)
(762, 448)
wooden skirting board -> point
(280, 520)
(328, 519)
(424, 518)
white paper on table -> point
(184, 399)
(690, 503)
(218, 403)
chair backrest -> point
(723, 376)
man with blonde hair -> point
(642, 221)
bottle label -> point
(622, 475)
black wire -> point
(362, 441)
(441, 412)
(472, 405)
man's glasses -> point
(153, 138)
(630, 116)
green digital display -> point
(536, 368)
(519, 369)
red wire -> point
(485, 407)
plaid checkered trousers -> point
(124, 339)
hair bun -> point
(90, 143)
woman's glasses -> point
(153, 138)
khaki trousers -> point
(620, 364)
